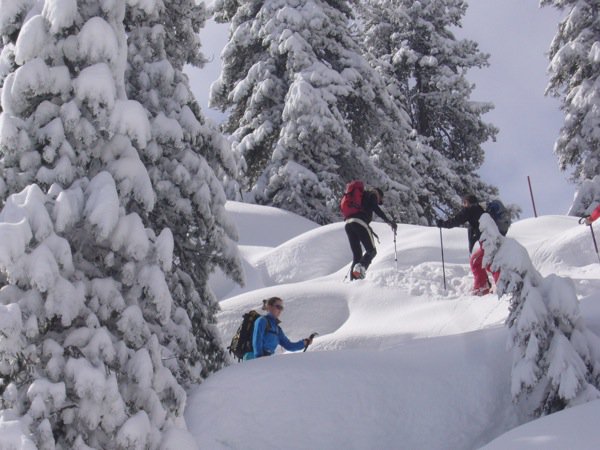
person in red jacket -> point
(593, 216)
(359, 232)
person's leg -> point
(481, 284)
(488, 268)
(495, 275)
(354, 240)
(366, 238)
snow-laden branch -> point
(556, 359)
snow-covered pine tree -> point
(92, 327)
(190, 198)
(556, 358)
(575, 79)
(587, 197)
(425, 66)
(12, 15)
(304, 106)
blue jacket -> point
(265, 342)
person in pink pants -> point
(470, 214)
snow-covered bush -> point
(556, 359)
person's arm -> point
(455, 221)
(287, 344)
(593, 216)
(377, 210)
(258, 336)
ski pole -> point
(443, 263)
(395, 248)
(349, 274)
(531, 193)
(395, 251)
(593, 238)
(310, 338)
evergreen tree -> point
(180, 157)
(12, 15)
(94, 338)
(587, 197)
(411, 44)
(575, 79)
(556, 359)
(306, 109)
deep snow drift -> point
(399, 361)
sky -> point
(399, 362)
(517, 34)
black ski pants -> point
(360, 234)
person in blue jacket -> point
(268, 334)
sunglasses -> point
(279, 307)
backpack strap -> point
(268, 328)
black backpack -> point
(500, 214)
(241, 343)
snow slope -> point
(400, 362)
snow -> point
(60, 13)
(129, 118)
(400, 362)
(43, 391)
(129, 171)
(35, 77)
(9, 11)
(31, 40)
(146, 5)
(96, 86)
(130, 235)
(97, 41)
(12, 436)
(102, 205)
(575, 428)
(136, 432)
(166, 129)
(164, 248)
(156, 290)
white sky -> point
(517, 34)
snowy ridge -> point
(399, 361)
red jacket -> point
(595, 214)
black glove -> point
(440, 223)
(394, 225)
(309, 340)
